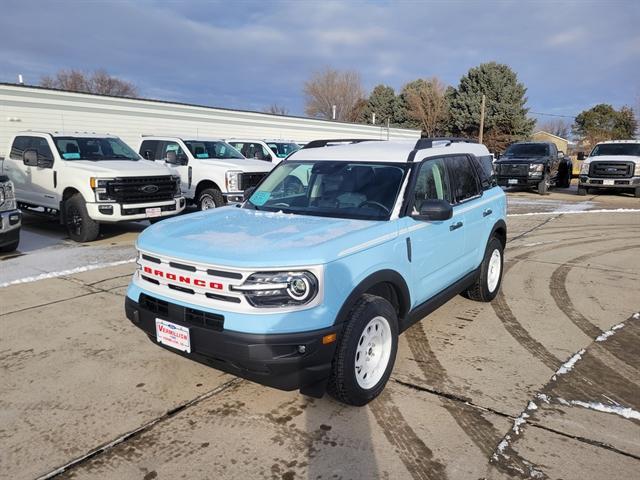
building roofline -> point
(552, 135)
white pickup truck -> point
(612, 165)
(89, 179)
(213, 173)
(266, 150)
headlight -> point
(536, 169)
(636, 172)
(99, 186)
(584, 169)
(279, 289)
(233, 181)
(7, 197)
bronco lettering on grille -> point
(184, 279)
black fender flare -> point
(499, 225)
(381, 276)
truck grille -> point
(513, 169)
(611, 169)
(249, 180)
(142, 189)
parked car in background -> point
(268, 150)
(89, 179)
(10, 217)
(612, 165)
(382, 234)
(535, 165)
(212, 172)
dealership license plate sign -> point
(153, 212)
(608, 182)
(513, 181)
(173, 335)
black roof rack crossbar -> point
(325, 142)
(425, 143)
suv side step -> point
(438, 300)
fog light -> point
(106, 209)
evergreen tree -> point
(603, 122)
(381, 102)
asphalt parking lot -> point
(544, 382)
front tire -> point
(80, 226)
(10, 247)
(210, 198)
(636, 192)
(582, 191)
(365, 353)
(544, 185)
(487, 285)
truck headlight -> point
(279, 289)
(99, 186)
(232, 178)
(584, 169)
(636, 171)
(7, 197)
(536, 169)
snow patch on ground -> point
(568, 365)
(608, 333)
(625, 412)
(563, 212)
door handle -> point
(455, 226)
(487, 212)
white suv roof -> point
(184, 138)
(618, 141)
(389, 151)
(67, 134)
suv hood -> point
(240, 237)
(244, 164)
(522, 160)
(119, 168)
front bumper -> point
(10, 222)
(233, 197)
(116, 212)
(617, 183)
(506, 181)
(289, 361)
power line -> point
(553, 115)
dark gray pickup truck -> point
(535, 165)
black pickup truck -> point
(535, 165)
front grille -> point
(513, 169)
(190, 316)
(141, 189)
(248, 180)
(611, 169)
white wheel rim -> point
(495, 267)
(206, 203)
(373, 352)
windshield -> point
(95, 149)
(365, 191)
(632, 149)
(521, 150)
(282, 149)
(203, 149)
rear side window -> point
(464, 178)
(432, 183)
(149, 149)
(484, 167)
(20, 144)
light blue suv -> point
(341, 248)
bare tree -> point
(276, 109)
(99, 82)
(426, 103)
(558, 127)
(332, 87)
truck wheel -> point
(566, 178)
(543, 186)
(582, 191)
(210, 198)
(636, 192)
(365, 353)
(488, 283)
(80, 226)
(10, 247)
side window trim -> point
(475, 174)
(410, 197)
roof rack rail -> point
(428, 142)
(424, 143)
(327, 142)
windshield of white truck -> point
(632, 149)
(366, 191)
(94, 148)
(524, 150)
(282, 149)
(202, 149)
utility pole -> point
(333, 112)
(373, 118)
(481, 119)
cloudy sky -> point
(245, 54)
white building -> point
(35, 108)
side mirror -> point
(174, 159)
(45, 162)
(560, 154)
(30, 157)
(498, 155)
(581, 156)
(435, 210)
(268, 157)
(248, 192)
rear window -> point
(632, 149)
(527, 150)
